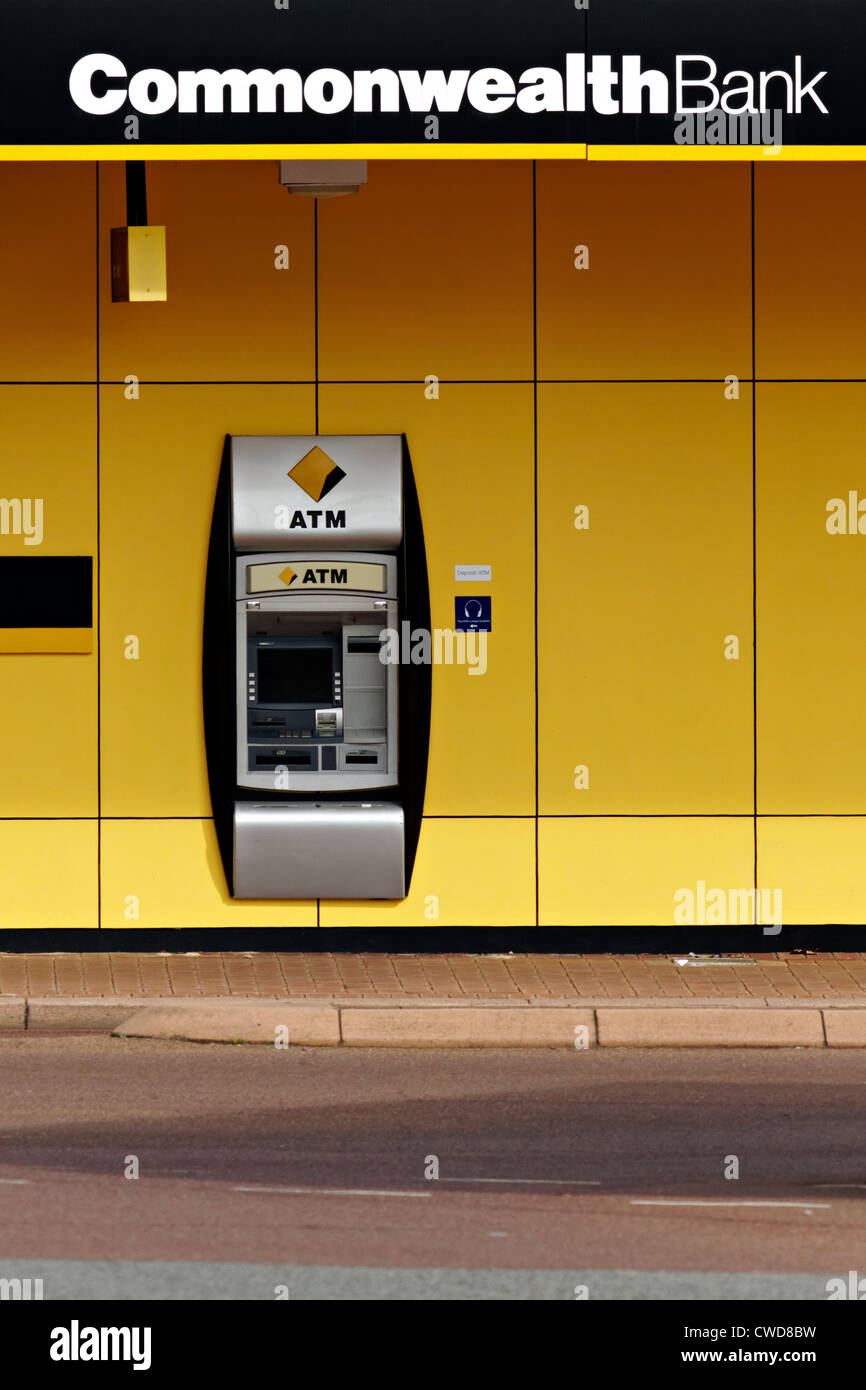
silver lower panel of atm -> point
(303, 849)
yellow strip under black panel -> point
(46, 639)
(717, 153)
(371, 151)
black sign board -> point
(103, 77)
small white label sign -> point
(472, 572)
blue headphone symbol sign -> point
(472, 614)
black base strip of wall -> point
(630, 940)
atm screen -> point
(295, 676)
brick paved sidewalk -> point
(308, 975)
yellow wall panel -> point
(626, 870)
(667, 292)
(468, 873)
(810, 270)
(817, 863)
(169, 872)
(47, 272)
(230, 314)
(472, 455)
(428, 269)
(48, 726)
(811, 589)
(634, 611)
(48, 874)
(160, 459)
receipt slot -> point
(316, 747)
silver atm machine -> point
(317, 747)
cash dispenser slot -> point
(286, 757)
(370, 646)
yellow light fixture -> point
(138, 264)
(138, 269)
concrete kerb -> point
(718, 1027)
(13, 1013)
(278, 1022)
(380, 1022)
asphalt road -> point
(262, 1172)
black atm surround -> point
(218, 675)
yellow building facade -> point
(636, 391)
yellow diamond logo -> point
(316, 473)
(287, 575)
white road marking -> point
(332, 1191)
(690, 1202)
(16, 1182)
(534, 1182)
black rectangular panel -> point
(46, 591)
(295, 675)
(802, 38)
(148, 44)
(42, 41)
